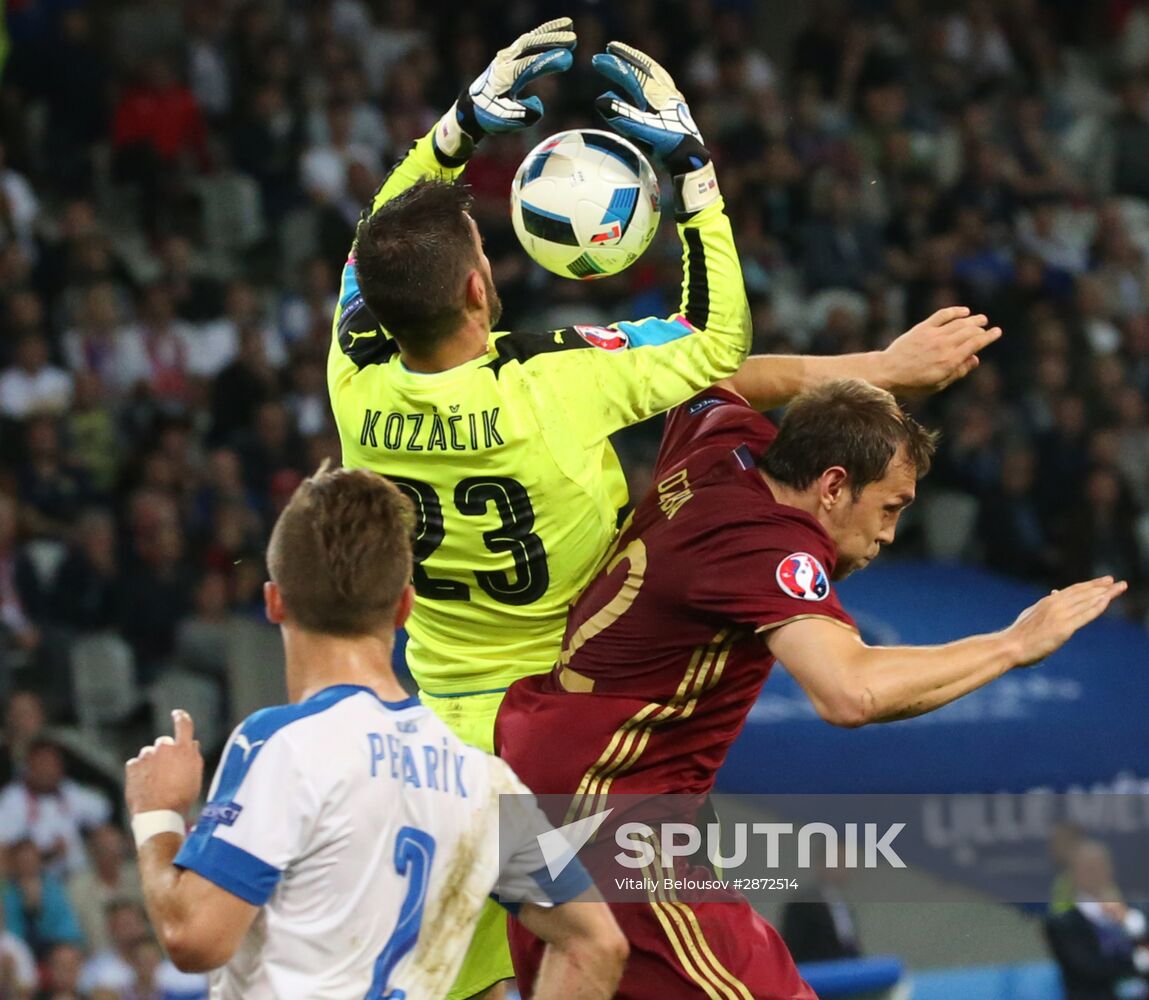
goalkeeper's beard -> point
(494, 303)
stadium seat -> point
(103, 680)
(195, 694)
(948, 519)
(254, 667)
(232, 217)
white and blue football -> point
(585, 204)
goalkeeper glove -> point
(491, 104)
(652, 112)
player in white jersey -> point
(350, 839)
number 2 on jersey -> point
(514, 535)
(414, 850)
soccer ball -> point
(585, 204)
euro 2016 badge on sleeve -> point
(800, 575)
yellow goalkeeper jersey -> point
(506, 458)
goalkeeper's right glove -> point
(492, 103)
(654, 114)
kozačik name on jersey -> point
(423, 432)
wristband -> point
(695, 190)
(146, 825)
(452, 141)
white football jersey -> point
(369, 836)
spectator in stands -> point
(92, 435)
(47, 807)
(196, 295)
(398, 33)
(160, 359)
(76, 79)
(1010, 525)
(36, 904)
(272, 445)
(155, 596)
(100, 344)
(347, 85)
(1123, 160)
(1133, 442)
(1101, 534)
(819, 925)
(110, 968)
(201, 645)
(18, 976)
(86, 594)
(218, 341)
(24, 720)
(24, 314)
(54, 491)
(840, 249)
(265, 144)
(111, 878)
(158, 136)
(32, 384)
(154, 977)
(312, 301)
(19, 206)
(1063, 456)
(20, 638)
(1101, 945)
(62, 969)
(307, 400)
(241, 388)
(209, 76)
(323, 167)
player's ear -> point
(403, 608)
(832, 486)
(476, 290)
(273, 603)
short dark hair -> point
(340, 552)
(412, 256)
(849, 423)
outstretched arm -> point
(925, 359)
(852, 684)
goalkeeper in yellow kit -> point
(501, 438)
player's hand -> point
(1048, 624)
(492, 103)
(937, 352)
(651, 110)
(169, 773)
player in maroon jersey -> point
(727, 563)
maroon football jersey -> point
(671, 631)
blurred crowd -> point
(72, 920)
(179, 186)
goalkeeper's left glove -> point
(491, 104)
(652, 112)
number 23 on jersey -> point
(529, 578)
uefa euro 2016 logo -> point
(801, 575)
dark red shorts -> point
(679, 950)
(558, 743)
